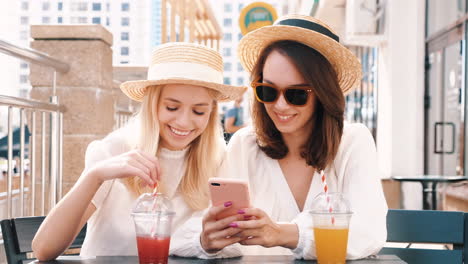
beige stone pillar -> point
(163, 21)
(182, 15)
(191, 9)
(85, 90)
(173, 19)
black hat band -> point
(310, 26)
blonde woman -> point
(175, 140)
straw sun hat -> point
(308, 31)
(184, 63)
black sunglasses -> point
(269, 93)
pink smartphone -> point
(229, 190)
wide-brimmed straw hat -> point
(308, 31)
(184, 63)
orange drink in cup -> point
(331, 244)
(331, 217)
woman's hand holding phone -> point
(261, 230)
(219, 233)
(228, 196)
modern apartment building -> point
(228, 12)
(133, 24)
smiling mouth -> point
(179, 132)
(284, 117)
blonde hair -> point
(203, 156)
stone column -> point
(123, 74)
(85, 90)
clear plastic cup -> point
(331, 227)
(153, 215)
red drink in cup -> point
(153, 250)
(152, 216)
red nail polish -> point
(246, 217)
(233, 225)
(241, 211)
(227, 204)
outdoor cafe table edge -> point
(378, 259)
(433, 180)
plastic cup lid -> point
(330, 203)
(156, 203)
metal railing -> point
(122, 116)
(361, 103)
(33, 56)
(51, 173)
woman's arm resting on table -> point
(66, 219)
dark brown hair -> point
(324, 138)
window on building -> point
(96, 20)
(23, 92)
(24, 5)
(59, 20)
(24, 20)
(23, 35)
(83, 7)
(107, 6)
(45, 6)
(124, 36)
(227, 37)
(79, 6)
(78, 20)
(124, 62)
(240, 80)
(82, 20)
(226, 51)
(107, 21)
(227, 7)
(23, 78)
(124, 51)
(125, 21)
(45, 20)
(96, 6)
(24, 65)
(59, 6)
(125, 6)
(239, 36)
(239, 67)
(227, 22)
(241, 6)
(227, 66)
(227, 80)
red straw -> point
(155, 188)
(325, 190)
(155, 192)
